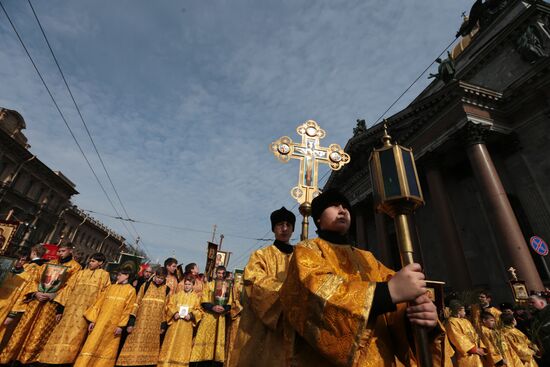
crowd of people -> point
(320, 303)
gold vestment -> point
(178, 342)
(172, 283)
(85, 287)
(521, 345)
(37, 322)
(111, 310)
(10, 291)
(209, 342)
(498, 349)
(142, 345)
(327, 297)
(464, 337)
(260, 339)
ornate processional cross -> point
(310, 154)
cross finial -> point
(386, 139)
(512, 271)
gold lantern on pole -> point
(397, 192)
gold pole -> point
(305, 210)
(406, 251)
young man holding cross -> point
(346, 308)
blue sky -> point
(183, 99)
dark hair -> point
(98, 256)
(507, 319)
(67, 244)
(39, 250)
(486, 293)
(189, 267)
(23, 254)
(161, 272)
(485, 315)
(221, 267)
(189, 278)
(170, 261)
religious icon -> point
(52, 278)
(112, 269)
(184, 311)
(222, 288)
(519, 290)
(7, 231)
(131, 262)
(6, 265)
(212, 248)
(220, 258)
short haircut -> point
(189, 267)
(170, 261)
(23, 253)
(129, 272)
(161, 272)
(221, 267)
(67, 244)
(507, 319)
(189, 278)
(98, 256)
(486, 293)
(539, 298)
(39, 250)
(485, 315)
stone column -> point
(449, 237)
(505, 224)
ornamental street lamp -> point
(397, 193)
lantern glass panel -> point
(389, 173)
(409, 170)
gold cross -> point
(310, 153)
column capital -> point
(474, 133)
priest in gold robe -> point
(171, 266)
(108, 316)
(84, 288)
(147, 321)
(183, 313)
(209, 345)
(262, 324)
(346, 308)
(498, 350)
(39, 312)
(468, 345)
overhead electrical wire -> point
(61, 113)
(83, 121)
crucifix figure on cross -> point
(310, 154)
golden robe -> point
(521, 345)
(327, 297)
(209, 342)
(10, 292)
(498, 349)
(71, 332)
(234, 320)
(37, 322)
(172, 283)
(261, 326)
(142, 345)
(178, 342)
(111, 310)
(464, 337)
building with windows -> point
(481, 137)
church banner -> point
(212, 250)
(7, 231)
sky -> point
(183, 99)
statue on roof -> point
(446, 70)
(361, 128)
(530, 46)
(482, 13)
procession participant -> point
(467, 344)
(262, 322)
(209, 345)
(498, 350)
(109, 314)
(518, 341)
(81, 292)
(178, 342)
(171, 266)
(192, 269)
(345, 307)
(146, 273)
(39, 312)
(13, 285)
(147, 322)
(234, 319)
(540, 326)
